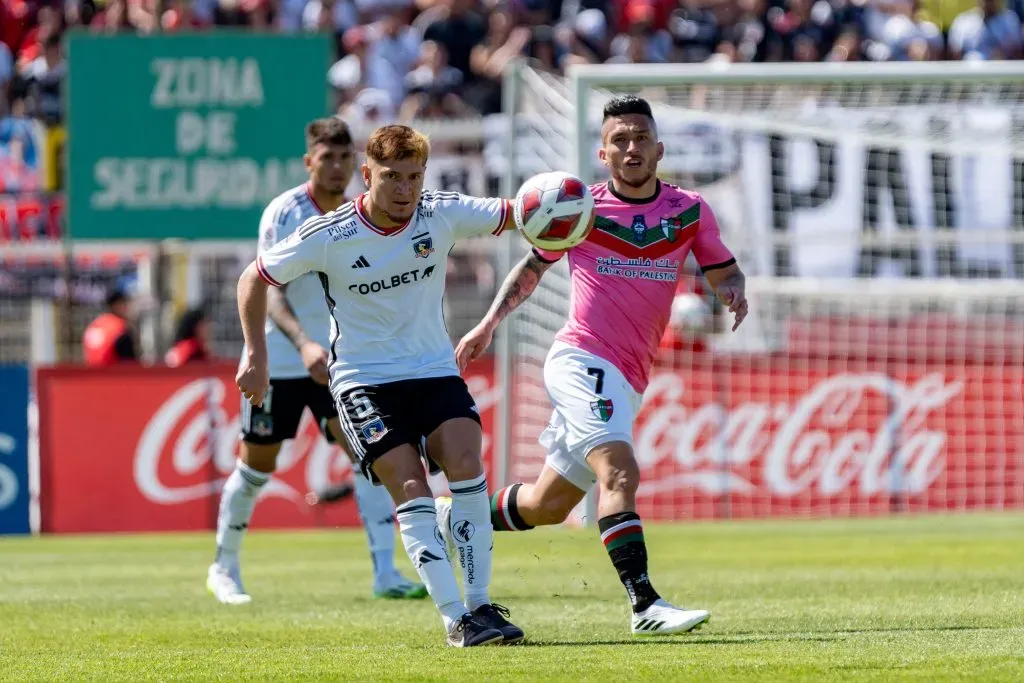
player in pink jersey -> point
(624, 278)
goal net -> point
(879, 216)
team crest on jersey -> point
(423, 247)
(603, 409)
(671, 227)
(639, 227)
(262, 425)
(373, 431)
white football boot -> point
(662, 618)
(443, 505)
(226, 585)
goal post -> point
(878, 211)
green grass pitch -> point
(906, 598)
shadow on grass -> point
(686, 640)
(751, 637)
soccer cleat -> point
(443, 505)
(397, 587)
(496, 616)
(226, 585)
(662, 618)
(469, 631)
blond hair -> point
(397, 143)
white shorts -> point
(594, 405)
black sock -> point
(623, 538)
(505, 511)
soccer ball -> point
(690, 314)
(554, 210)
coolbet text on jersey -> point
(384, 289)
(624, 276)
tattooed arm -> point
(516, 289)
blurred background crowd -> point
(443, 58)
(422, 59)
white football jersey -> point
(384, 289)
(280, 219)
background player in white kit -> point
(381, 261)
(297, 330)
(599, 365)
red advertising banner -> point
(132, 449)
(148, 449)
(31, 217)
(791, 435)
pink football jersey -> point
(624, 276)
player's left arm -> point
(719, 265)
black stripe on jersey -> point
(716, 266)
(422, 234)
(315, 225)
(331, 304)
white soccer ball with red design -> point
(554, 210)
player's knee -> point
(260, 457)
(620, 475)
(462, 463)
(401, 471)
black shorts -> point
(278, 418)
(378, 418)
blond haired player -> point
(297, 336)
(381, 262)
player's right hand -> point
(473, 344)
(253, 379)
(315, 358)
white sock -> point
(377, 513)
(237, 501)
(417, 521)
(474, 537)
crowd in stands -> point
(432, 58)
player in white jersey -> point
(297, 331)
(381, 260)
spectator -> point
(643, 42)
(503, 43)
(109, 339)
(348, 74)
(19, 153)
(120, 16)
(695, 32)
(988, 31)
(45, 76)
(433, 87)
(807, 29)
(6, 75)
(180, 16)
(543, 52)
(459, 31)
(393, 51)
(191, 339)
(752, 37)
(585, 41)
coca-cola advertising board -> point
(148, 449)
(784, 435)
